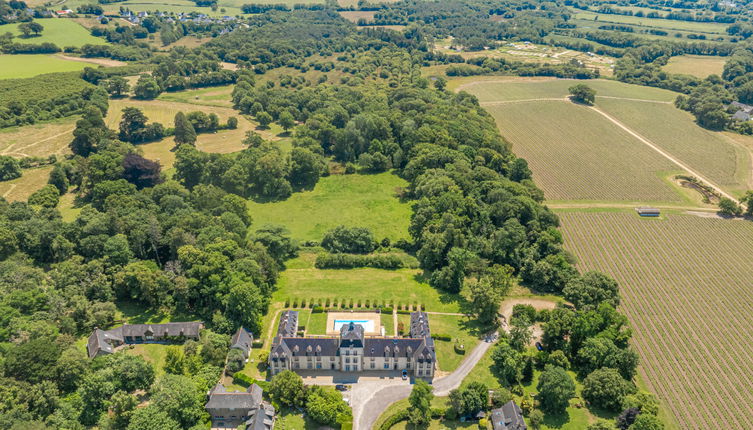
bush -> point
(444, 337)
(242, 379)
(350, 261)
(386, 310)
(356, 240)
(317, 310)
(9, 168)
(393, 419)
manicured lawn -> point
(352, 200)
(288, 419)
(60, 31)
(153, 353)
(317, 323)
(26, 66)
(464, 329)
(255, 367)
(389, 324)
(401, 286)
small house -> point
(648, 212)
(230, 409)
(508, 417)
(242, 339)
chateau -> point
(353, 351)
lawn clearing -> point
(28, 65)
(461, 329)
(211, 96)
(60, 31)
(401, 286)
(712, 154)
(575, 154)
(696, 65)
(38, 140)
(352, 200)
(152, 353)
(20, 189)
(685, 285)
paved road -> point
(368, 407)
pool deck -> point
(371, 316)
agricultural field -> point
(60, 31)
(700, 66)
(685, 286)
(352, 200)
(20, 189)
(720, 159)
(28, 65)
(662, 24)
(38, 140)
(576, 155)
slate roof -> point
(288, 324)
(741, 116)
(508, 417)
(261, 418)
(419, 327)
(220, 398)
(242, 339)
(380, 347)
(100, 340)
(305, 346)
(188, 329)
(351, 335)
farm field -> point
(26, 66)
(664, 24)
(685, 288)
(60, 31)
(301, 280)
(577, 155)
(351, 200)
(712, 154)
(696, 65)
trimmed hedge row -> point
(323, 305)
(246, 381)
(351, 261)
(402, 415)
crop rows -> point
(577, 155)
(712, 154)
(684, 283)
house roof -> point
(381, 347)
(508, 417)
(288, 324)
(261, 418)
(100, 340)
(188, 329)
(220, 398)
(351, 335)
(242, 339)
(307, 346)
(741, 116)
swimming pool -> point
(368, 325)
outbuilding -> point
(648, 212)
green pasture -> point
(28, 65)
(60, 31)
(699, 66)
(353, 200)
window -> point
(347, 359)
(373, 365)
(386, 365)
(347, 368)
(318, 365)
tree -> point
(174, 361)
(117, 86)
(305, 168)
(46, 197)
(587, 292)
(601, 425)
(647, 422)
(625, 419)
(132, 125)
(150, 418)
(287, 388)
(536, 419)
(8, 243)
(89, 131)
(508, 363)
(326, 406)
(59, 179)
(583, 93)
(141, 172)
(484, 298)
(440, 83)
(419, 412)
(122, 405)
(36, 28)
(9, 168)
(646, 402)
(356, 240)
(469, 400)
(147, 88)
(26, 28)
(235, 360)
(264, 119)
(180, 398)
(232, 123)
(246, 305)
(729, 207)
(555, 388)
(286, 120)
(605, 388)
(32, 361)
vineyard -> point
(712, 154)
(685, 287)
(576, 155)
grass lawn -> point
(136, 313)
(60, 31)
(303, 281)
(464, 329)
(152, 352)
(696, 65)
(28, 65)
(352, 200)
(289, 419)
(403, 321)
(389, 324)
(317, 323)
(20, 189)
(255, 367)
(436, 402)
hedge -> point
(350, 261)
(393, 419)
(437, 336)
(242, 379)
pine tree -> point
(184, 131)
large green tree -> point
(184, 131)
(287, 388)
(605, 388)
(555, 388)
(419, 412)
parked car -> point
(341, 387)
(539, 346)
(405, 374)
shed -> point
(648, 212)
